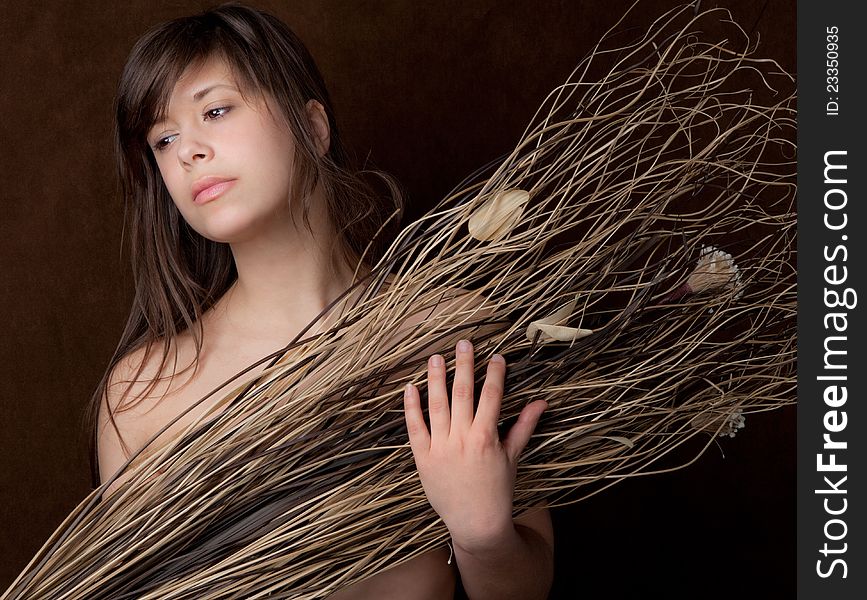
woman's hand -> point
(467, 473)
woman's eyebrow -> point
(205, 91)
(201, 94)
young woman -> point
(246, 221)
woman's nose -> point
(194, 148)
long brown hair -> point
(178, 273)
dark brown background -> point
(431, 91)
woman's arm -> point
(468, 475)
(519, 565)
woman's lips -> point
(214, 191)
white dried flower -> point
(496, 217)
(734, 421)
(715, 270)
(711, 422)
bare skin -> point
(429, 576)
(282, 285)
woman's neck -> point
(284, 282)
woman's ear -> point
(319, 122)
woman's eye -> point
(214, 113)
(162, 143)
(214, 110)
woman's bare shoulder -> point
(134, 373)
(135, 384)
(125, 382)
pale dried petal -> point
(496, 217)
(551, 329)
(557, 332)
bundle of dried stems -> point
(633, 260)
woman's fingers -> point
(491, 398)
(438, 398)
(463, 392)
(419, 438)
(459, 419)
(523, 428)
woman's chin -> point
(235, 233)
(233, 222)
(227, 226)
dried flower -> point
(496, 217)
(549, 328)
(733, 422)
(715, 270)
(711, 422)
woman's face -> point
(211, 132)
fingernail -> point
(497, 358)
(406, 389)
(436, 360)
(464, 346)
